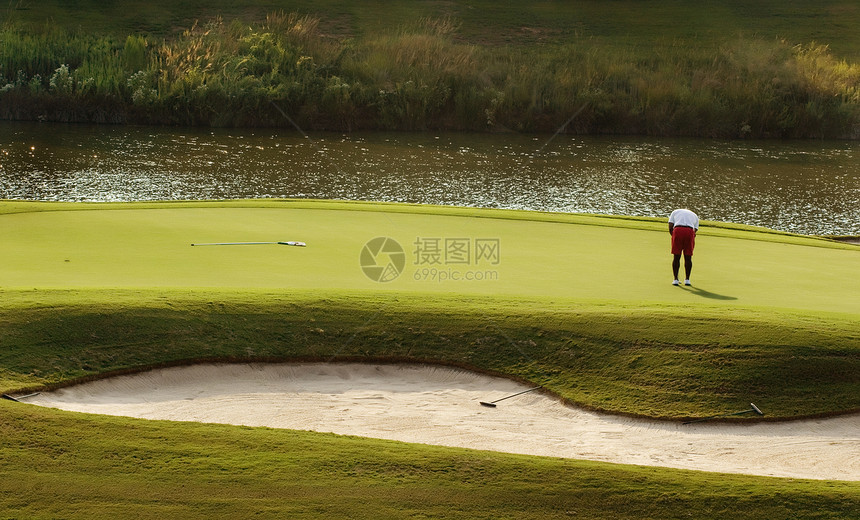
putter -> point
(285, 243)
(753, 408)
(492, 404)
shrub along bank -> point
(424, 76)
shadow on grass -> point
(708, 294)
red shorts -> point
(683, 239)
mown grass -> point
(642, 356)
(60, 464)
(124, 289)
(413, 67)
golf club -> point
(286, 243)
(492, 404)
(753, 408)
(18, 399)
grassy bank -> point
(417, 66)
(489, 22)
(59, 464)
(642, 360)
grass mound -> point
(59, 464)
(579, 304)
(68, 465)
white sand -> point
(437, 405)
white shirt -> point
(684, 217)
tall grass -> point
(420, 76)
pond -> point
(809, 187)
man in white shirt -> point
(683, 225)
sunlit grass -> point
(579, 304)
(67, 465)
(656, 352)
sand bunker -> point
(440, 405)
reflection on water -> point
(804, 187)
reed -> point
(421, 76)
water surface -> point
(799, 186)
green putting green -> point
(445, 251)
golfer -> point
(683, 225)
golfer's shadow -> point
(708, 294)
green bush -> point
(134, 53)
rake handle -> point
(492, 404)
(753, 408)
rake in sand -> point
(492, 404)
(18, 399)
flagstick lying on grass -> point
(287, 243)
